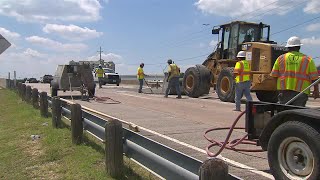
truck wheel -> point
(54, 92)
(226, 85)
(267, 96)
(91, 92)
(118, 84)
(294, 151)
(196, 81)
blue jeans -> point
(140, 85)
(100, 81)
(242, 88)
(173, 83)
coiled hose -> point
(232, 144)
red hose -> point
(104, 99)
(230, 145)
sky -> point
(44, 33)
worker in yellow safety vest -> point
(295, 72)
(173, 78)
(100, 72)
(140, 76)
(242, 78)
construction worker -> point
(173, 78)
(140, 76)
(100, 72)
(242, 78)
(295, 72)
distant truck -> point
(74, 77)
(46, 78)
(110, 77)
(290, 134)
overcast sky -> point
(47, 33)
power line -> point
(310, 20)
(257, 9)
(298, 4)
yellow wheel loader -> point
(217, 70)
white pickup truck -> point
(110, 77)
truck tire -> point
(196, 81)
(294, 151)
(91, 92)
(226, 85)
(54, 91)
(267, 96)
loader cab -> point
(232, 36)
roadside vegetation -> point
(52, 156)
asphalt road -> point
(184, 119)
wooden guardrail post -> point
(56, 112)
(23, 92)
(28, 94)
(44, 104)
(114, 148)
(18, 88)
(213, 169)
(35, 98)
(76, 124)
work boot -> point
(179, 97)
(165, 96)
(237, 110)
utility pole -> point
(100, 55)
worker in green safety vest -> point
(242, 78)
(295, 72)
(100, 73)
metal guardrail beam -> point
(156, 163)
(189, 163)
(94, 128)
(66, 112)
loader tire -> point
(226, 85)
(267, 96)
(196, 81)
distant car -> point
(111, 77)
(32, 80)
(47, 78)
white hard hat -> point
(241, 54)
(293, 41)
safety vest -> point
(243, 70)
(294, 71)
(140, 74)
(99, 72)
(174, 71)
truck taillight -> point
(254, 109)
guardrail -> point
(156, 157)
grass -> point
(53, 156)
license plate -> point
(114, 81)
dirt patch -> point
(34, 150)
(43, 171)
